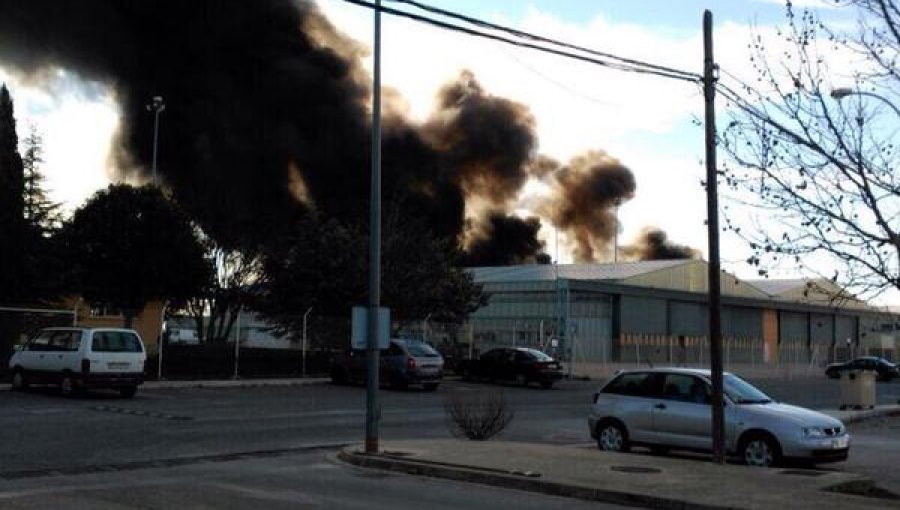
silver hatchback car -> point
(667, 408)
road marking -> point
(139, 412)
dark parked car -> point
(885, 369)
(403, 363)
(519, 364)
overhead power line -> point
(620, 63)
(539, 38)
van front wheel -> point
(18, 380)
(128, 391)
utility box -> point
(857, 389)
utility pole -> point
(372, 408)
(712, 214)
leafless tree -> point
(477, 415)
(215, 311)
(814, 160)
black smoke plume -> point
(654, 244)
(585, 194)
(267, 113)
(504, 241)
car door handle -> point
(660, 406)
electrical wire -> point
(621, 66)
(539, 38)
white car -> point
(670, 408)
(80, 358)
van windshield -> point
(115, 341)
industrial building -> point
(657, 312)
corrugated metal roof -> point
(778, 287)
(546, 272)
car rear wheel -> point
(612, 437)
(546, 384)
(18, 380)
(760, 450)
(430, 386)
(128, 391)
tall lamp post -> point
(157, 106)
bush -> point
(477, 415)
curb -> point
(219, 384)
(863, 415)
(518, 481)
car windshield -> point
(421, 350)
(742, 392)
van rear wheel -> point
(128, 391)
(68, 387)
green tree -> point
(38, 209)
(128, 246)
(13, 283)
(12, 221)
(323, 265)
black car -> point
(519, 364)
(884, 369)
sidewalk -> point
(630, 479)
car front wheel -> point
(760, 451)
(612, 437)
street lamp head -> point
(841, 92)
(157, 105)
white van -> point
(80, 358)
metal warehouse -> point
(656, 312)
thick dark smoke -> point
(267, 112)
(654, 244)
(267, 118)
(585, 195)
(489, 140)
(506, 240)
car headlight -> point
(813, 432)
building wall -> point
(147, 323)
(642, 315)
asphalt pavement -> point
(183, 426)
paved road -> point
(44, 432)
(273, 482)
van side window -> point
(40, 342)
(64, 341)
(115, 341)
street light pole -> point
(157, 106)
(305, 315)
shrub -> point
(477, 415)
